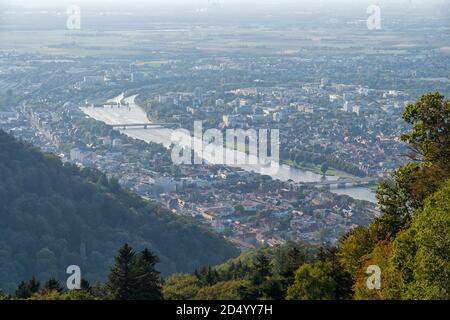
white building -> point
(94, 79)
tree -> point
(429, 144)
(260, 270)
(381, 256)
(41, 195)
(286, 260)
(149, 280)
(239, 209)
(122, 280)
(207, 276)
(26, 289)
(412, 237)
(422, 253)
(353, 247)
(98, 290)
(34, 285)
(181, 286)
(52, 285)
(342, 277)
(228, 290)
(324, 168)
(313, 282)
(85, 285)
(23, 290)
(3, 296)
(429, 140)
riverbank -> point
(318, 170)
(135, 114)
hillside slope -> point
(53, 215)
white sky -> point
(135, 3)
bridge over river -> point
(346, 182)
(135, 119)
(149, 125)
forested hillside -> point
(53, 215)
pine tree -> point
(34, 285)
(3, 295)
(26, 289)
(52, 285)
(85, 285)
(98, 290)
(261, 269)
(149, 280)
(122, 280)
(23, 290)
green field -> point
(184, 38)
(317, 169)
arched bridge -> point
(153, 125)
(346, 182)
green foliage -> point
(26, 289)
(429, 142)
(77, 295)
(353, 247)
(98, 290)
(23, 290)
(149, 280)
(48, 210)
(324, 167)
(260, 270)
(430, 135)
(343, 278)
(3, 296)
(228, 290)
(422, 253)
(56, 295)
(412, 238)
(122, 280)
(261, 274)
(181, 287)
(52, 285)
(313, 282)
(325, 161)
(287, 259)
(390, 277)
(323, 279)
(207, 276)
(50, 295)
(52, 290)
(133, 277)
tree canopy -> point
(53, 215)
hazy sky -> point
(236, 9)
(146, 3)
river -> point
(134, 114)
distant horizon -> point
(132, 4)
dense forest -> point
(53, 215)
(409, 244)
